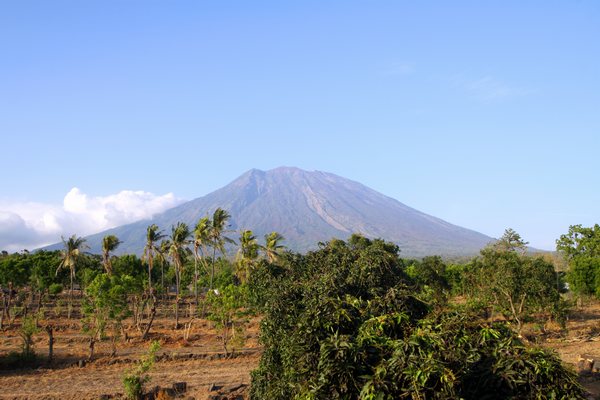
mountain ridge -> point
(307, 208)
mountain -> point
(307, 208)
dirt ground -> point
(581, 339)
(200, 361)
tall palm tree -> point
(246, 255)
(179, 241)
(153, 235)
(273, 247)
(69, 256)
(109, 243)
(201, 240)
(217, 237)
(161, 254)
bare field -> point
(200, 360)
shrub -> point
(55, 289)
(343, 323)
(134, 379)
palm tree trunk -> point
(196, 280)
(177, 299)
(212, 273)
(70, 298)
(162, 279)
(150, 270)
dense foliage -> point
(347, 322)
(581, 247)
(514, 284)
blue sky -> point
(483, 114)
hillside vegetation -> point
(350, 320)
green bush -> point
(134, 379)
(55, 289)
(343, 322)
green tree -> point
(109, 243)
(162, 253)
(201, 240)
(247, 255)
(218, 238)
(135, 378)
(343, 322)
(430, 275)
(225, 311)
(273, 246)
(178, 251)
(510, 241)
(581, 248)
(73, 247)
(153, 235)
(105, 305)
(514, 284)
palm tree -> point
(109, 243)
(273, 247)
(201, 239)
(69, 255)
(247, 255)
(163, 251)
(153, 235)
(178, 251)
(217, 237)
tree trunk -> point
(152, 315)
(39, 303)
(196, 280)
(162, 280)
(177, 300)
(212, 272)
(70, 307)
(50, 332)
(92, 344)
(150, 269)
(113, 352)
(177, 312)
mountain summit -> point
(307, 208)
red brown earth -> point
(200, 361)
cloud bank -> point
(31, 225)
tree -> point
(247, 255)
(153, 235)
(343, 323)
(430, 276)
(162, 254)
(179, 241)
(273, 246)
(580, 241)
(73, 248)
(581, 248)
(135, 378)
(511, 241)
(109, 243)
(201, 240)
(225, 312)
(512, 283)
(218, 238)
(105, 305)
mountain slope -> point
(309, 207)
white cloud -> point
(28, 225)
